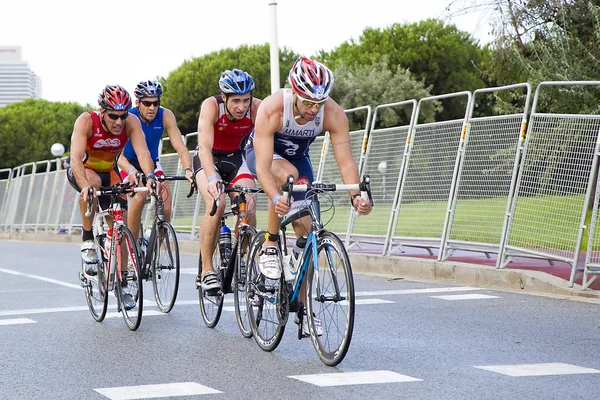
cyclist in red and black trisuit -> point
(225, 122)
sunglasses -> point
(115, 117)
(147, 103)
(312, 104)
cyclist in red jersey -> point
(98, 136)
(225, 122)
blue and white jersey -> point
(153, 132)
(292, 140)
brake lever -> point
(91, 191)
(193, 188)
(216, 202)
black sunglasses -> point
(115, 117)
(147, 103)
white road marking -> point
(229, 300)
(40, 278)
(354, 378)
(417, 291)
(145, 313)
(156, 391)
(473, 296)
(17, 321)
(189, 271)
(539, 369)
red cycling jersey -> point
(102, 148)
(228, 133)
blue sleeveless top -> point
(153, 132)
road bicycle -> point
(160, 252)
(325, 266)
(120, 250)
(229, 260)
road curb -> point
(406, 267)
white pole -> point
(274, 48)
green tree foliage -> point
(186, 87)
(440, 55)
(29, 128)
(373, 85)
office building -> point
(17, 81)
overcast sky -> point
(77, 47)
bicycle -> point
(161, 263)
(325, 265)
(110, 261)
(229, 261)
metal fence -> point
(505, 183)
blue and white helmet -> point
(236, 82)
(148, 89)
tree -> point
(374, 85)
(196, 79)
(29, 128)
(440, 55)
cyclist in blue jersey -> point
(155, 120)
(287, 123)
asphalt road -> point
(412, 340)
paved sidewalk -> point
(464, 268)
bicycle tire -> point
(165, 267)
(239, 281)
(132, 317)
(261, 300)
(96, 290)
(211, 303)
(330, 296)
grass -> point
(549, 222)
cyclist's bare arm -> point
(268, 121)
(138, 141)
(170, 124)
(336, 123)
(254, 110)
(82, 131)
(209, 114)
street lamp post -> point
(274, 48)
(57, 151)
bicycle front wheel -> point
(165, 267)
(330, 300)
(239, 282)
(96, 293)
(262, 304)
(211, 302)
(129, 288)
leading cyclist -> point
(287, 123)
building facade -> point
(17, 81)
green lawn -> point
(539, 222)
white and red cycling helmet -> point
(311, 80)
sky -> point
(76, 47)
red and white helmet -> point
(311, 80)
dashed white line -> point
(539, 369)
(17, 321)
(354, 378)
(155, 391)
(40, 278)
(473, 296)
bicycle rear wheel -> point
(165, 267)
(127, 252)
(262, 300)
(211, 302)
(239, 281)
(330, 299)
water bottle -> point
(293, 264)
(144, 241)
(225, 242)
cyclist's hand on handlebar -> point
(189, 174)
(153, 185)
(214, 187)
(282, 205)
(84, 194)
(362, 206)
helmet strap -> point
(300, 115)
